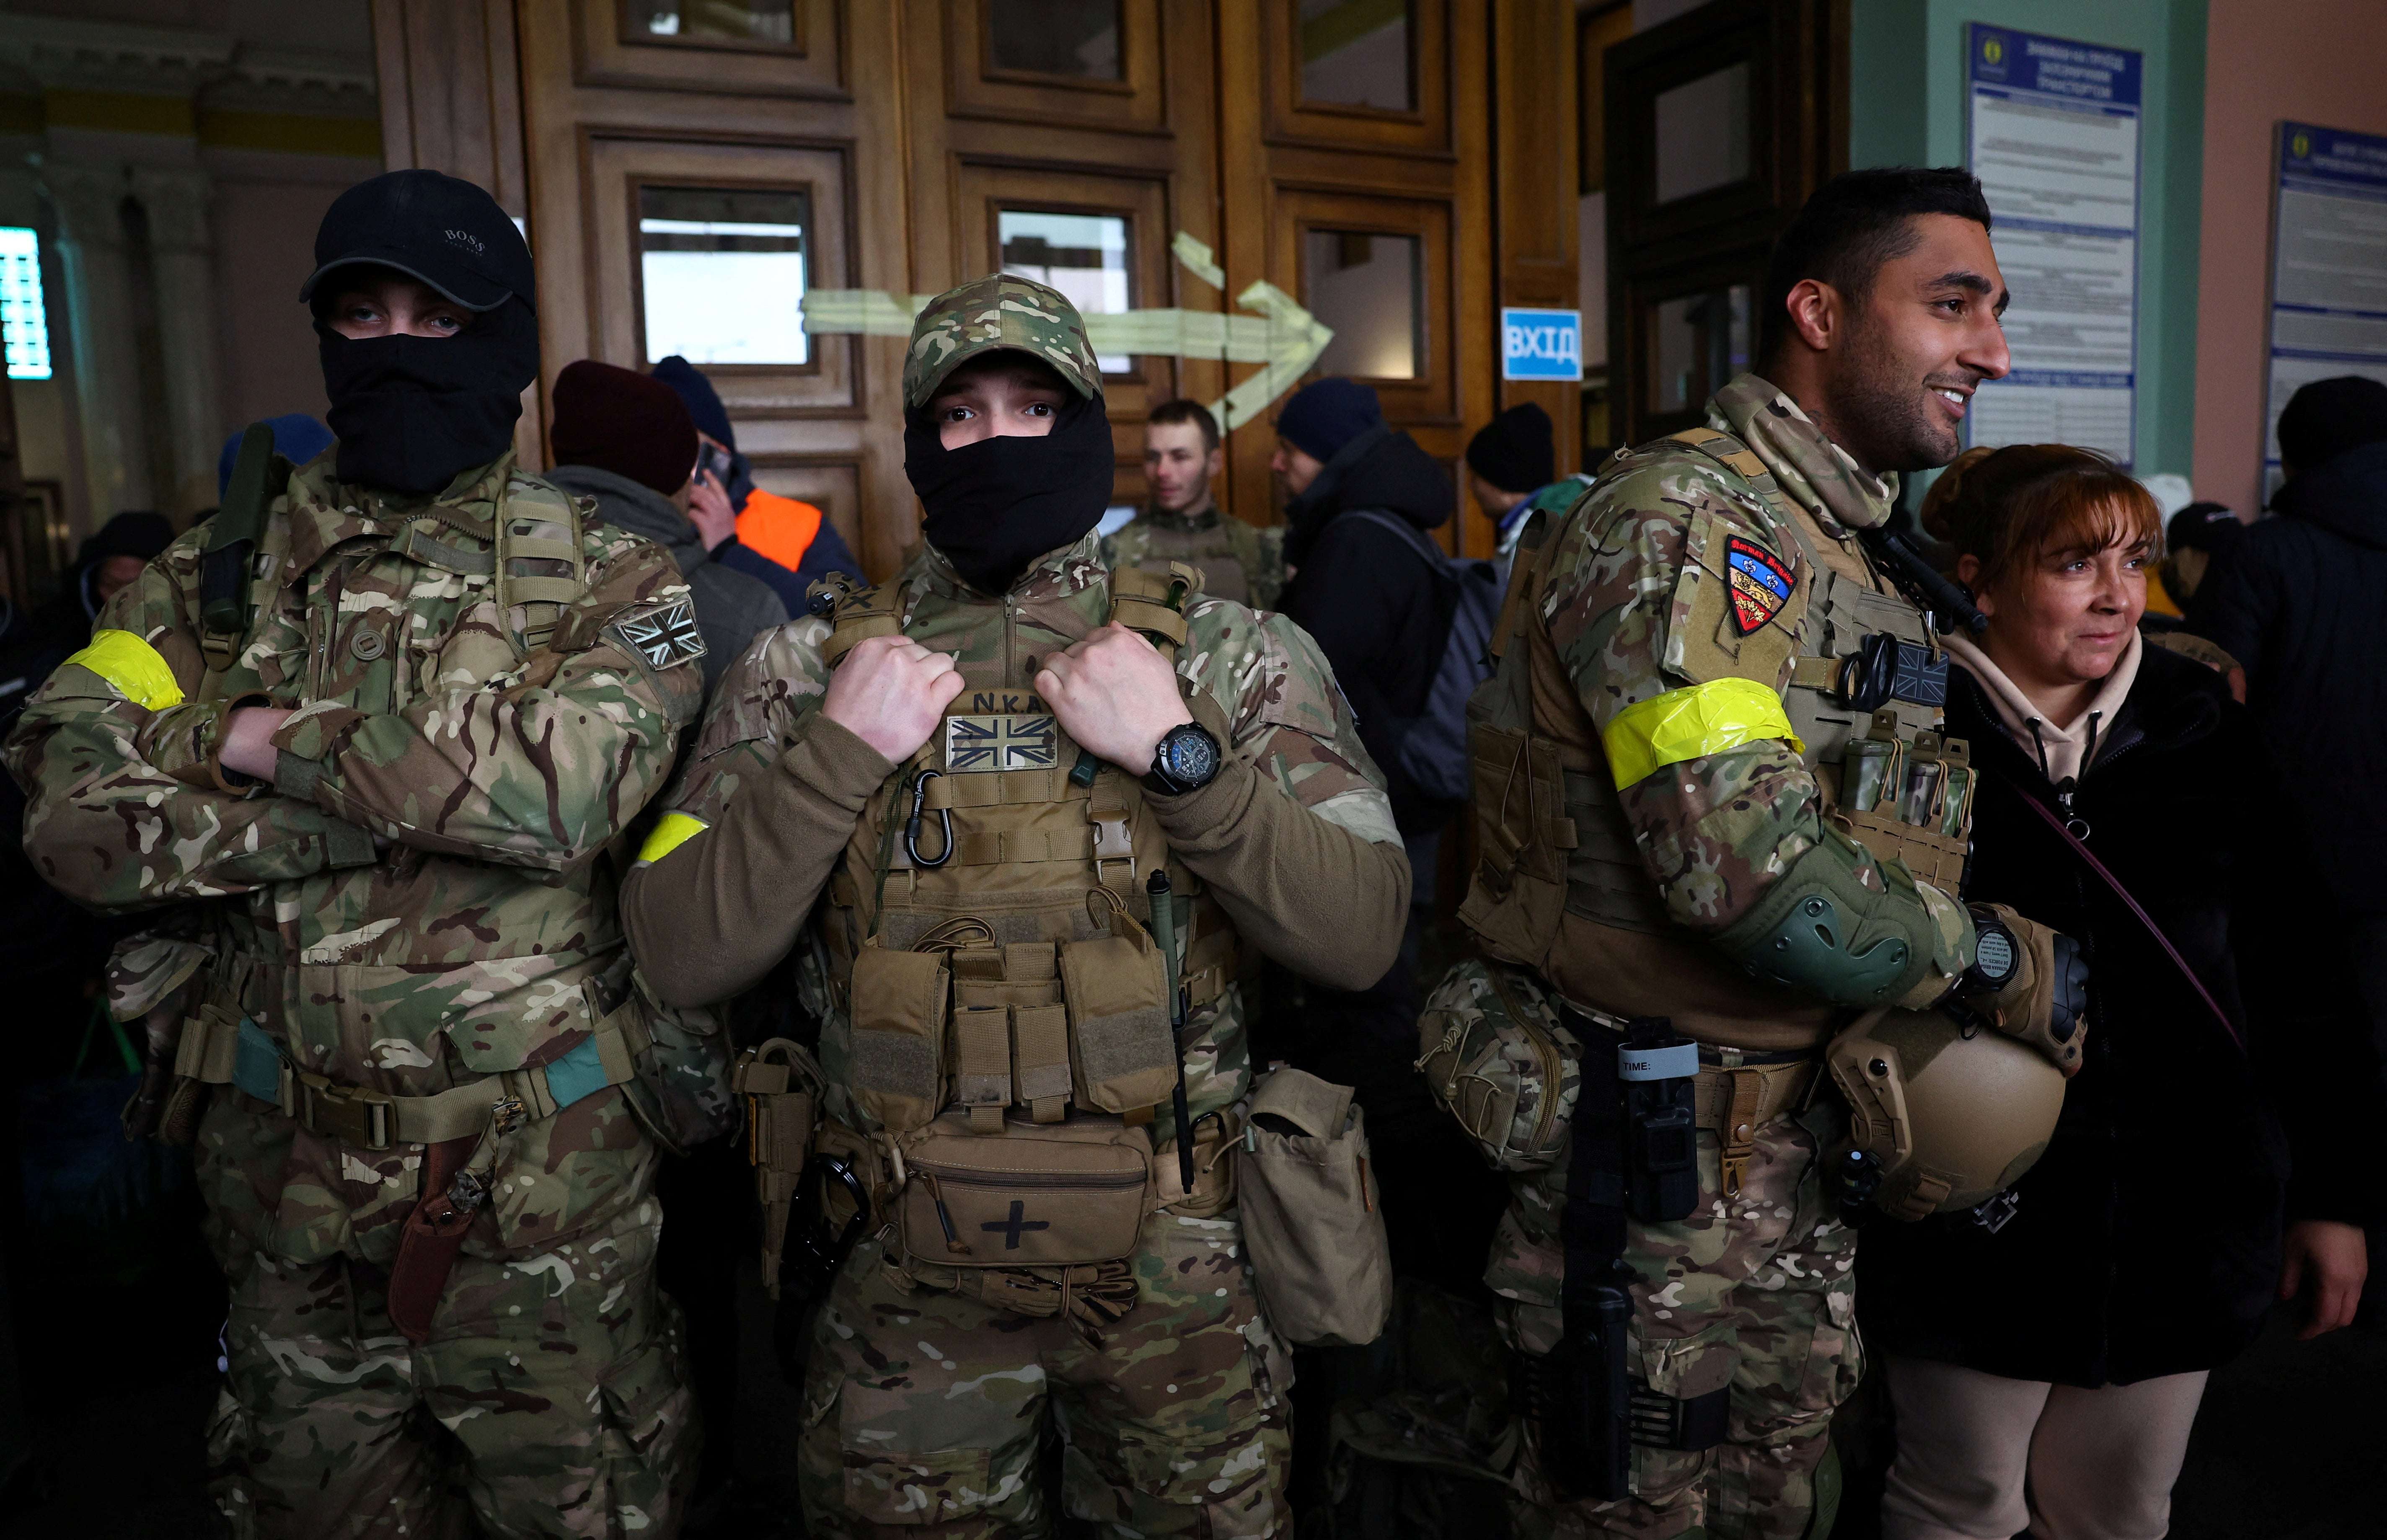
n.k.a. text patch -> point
(1761, 584)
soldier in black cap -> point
(374, 793)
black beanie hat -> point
(1515, 451)
(135, 534)
(620, 421)
(2329, 417)
(2208, 527)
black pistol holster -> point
(1634, 1153)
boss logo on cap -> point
(466, 238)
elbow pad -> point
(1820, 929)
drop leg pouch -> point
(1311, 1221)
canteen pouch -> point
(1035, 1195)
(897, 1012)
(1310, 1218)
(1116, 987)
(1500, 1061)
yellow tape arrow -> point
(1282, 335)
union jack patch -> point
(1006, 742)
(665, 638)
(1761, 584)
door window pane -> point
(1703, 133)
(1084, 256)
(1368, 288)
(1078, 38)
(1696, 344)
(1357, 52)
(715, 21)
(722, 272)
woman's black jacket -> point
(2147, 1240)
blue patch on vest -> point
(578, 1074)
(256, 1063)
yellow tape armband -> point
(1706, 719)
(674, 830)
(133, 667)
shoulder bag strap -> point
(2047, 816)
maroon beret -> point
(620, 421)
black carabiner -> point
(912, 826)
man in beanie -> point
(378, 793)
(624, 439)
(2296, 602)
(982, 810)
(787, 543)
(1512, 470)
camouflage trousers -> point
(549, 1401)
(1753, 1292)
(929, 1413)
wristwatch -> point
(1186, 760)
(1997, 955)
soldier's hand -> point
(1114, 694)
(890, 692)
(2044, 1003)
(248, 744)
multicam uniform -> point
(1238, 560)
(972, 926)
(418, 905)
(1669, 704)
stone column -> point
(89, 197)
(182, 259)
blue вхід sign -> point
(1541, 345)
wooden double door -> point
(1401, 169)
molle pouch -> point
(897, 1012)
(1499, 1061)
(1031, 1195)
(1310, 1216)
(1897, 799)
(1116, 987)
(1868, 773)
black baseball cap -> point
(439, 229)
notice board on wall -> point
(2329, 268)
(2053, 129)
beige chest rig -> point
(1866, 690)
(1214, 550)
(991, 941)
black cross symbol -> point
(1014, 1224)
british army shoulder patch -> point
(1761, 584)
(666, 637)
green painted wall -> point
(1906, 107)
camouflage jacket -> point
(420, 899)
(1260, 675)
(1718, 829)
(1240, 561)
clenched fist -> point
(891, 692)
(1114, 694)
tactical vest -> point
(1004, 1016)
(1223, 558)
(1560, 885)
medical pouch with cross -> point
(1006, 1028)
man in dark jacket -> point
(787, 543)
(2297, 603)
(625, 440)
(1380, 612)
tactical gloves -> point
(2028, 982)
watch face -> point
(1189, 756)
(1993, 953)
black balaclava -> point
(997, 505)
(412, 412)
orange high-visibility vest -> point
(780, 529)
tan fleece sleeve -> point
(1309, 893)
(718, 912)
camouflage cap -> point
(998, 310)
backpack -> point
(1431, 748)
